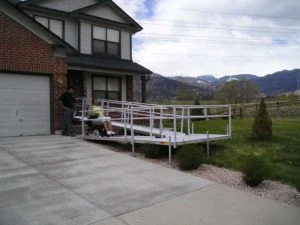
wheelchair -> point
(95, 127)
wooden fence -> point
(275, 109)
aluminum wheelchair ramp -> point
(128, 117)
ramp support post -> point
(170, 149)
(132, 131)
(207, 143)
(188, 121)
(182, 119)
(160, 123)
(175, 127)
(82, 116)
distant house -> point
(46, 45)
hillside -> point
(207, 78)
(237, 77)
(280, 82)
(272, 84)
(161, 88)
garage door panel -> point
(24, 105)
(24, 97)
(33, 130)
(19, 81)
(9, 130)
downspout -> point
(144, 87)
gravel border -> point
(272, 190)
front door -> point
(75, 79)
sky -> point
(220, 37)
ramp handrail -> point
(131, 112)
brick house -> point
(46, 45)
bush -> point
(255, 170)
(154, 151)
(262, 126)
(189, 157)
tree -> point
(237, 91)
(228, 92)
(249, 91)
(262, 126)
(185, 93)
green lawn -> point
(282, 152)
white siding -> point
(71, 33)
(56, 26)
(86, 38)
(125, 45)
(42, 20)
(24, 105)
(105, 12)
(65, 5)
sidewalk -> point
(65, 181)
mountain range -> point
(166, 88)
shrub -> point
(262, 126)
(154, 151)
(189, 157)
(255, 170)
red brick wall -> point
(23, 51)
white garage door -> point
(24, 105)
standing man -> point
(68, 103)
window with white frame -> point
(107, 88)
(105, 41)
(56, 26)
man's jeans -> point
(68, 122)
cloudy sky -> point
(220, 37)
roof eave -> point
(137, 72)
(58, 42)
(28, 2)
(106, 21)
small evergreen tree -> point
(262, 126)
(197, 112)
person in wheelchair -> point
(103, 123)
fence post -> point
(229, 119)
(241, 112)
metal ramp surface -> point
(147, 130)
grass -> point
(282, 153)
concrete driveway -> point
(54, 180)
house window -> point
(56, 26)
(106, 41)
(107, 88)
